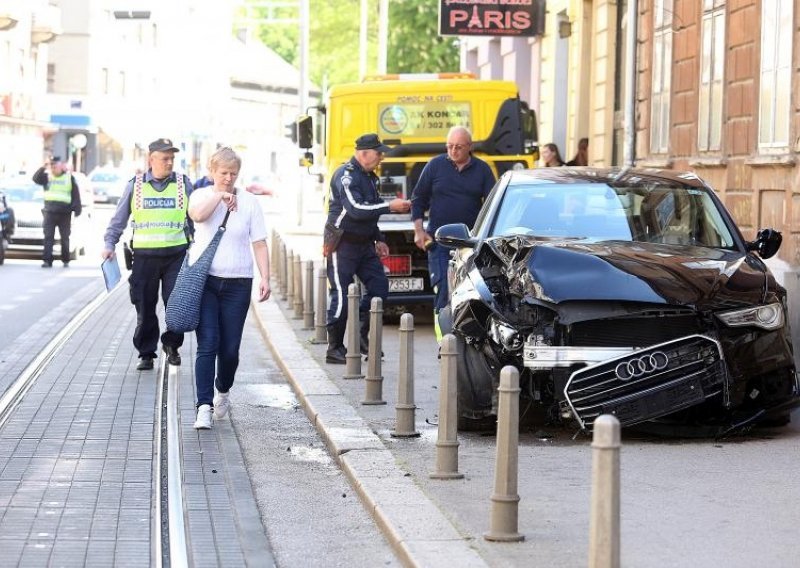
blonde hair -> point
(224, 155)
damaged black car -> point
(618, 291)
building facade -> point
(719, 94)
(26, 30)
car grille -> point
(632, 332)
(30, 224)
(686, 372)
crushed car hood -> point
(567, 270)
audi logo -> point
(640, 366)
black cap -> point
(371, 142)
(162, 145)
(54, 159)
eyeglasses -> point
(457, 146)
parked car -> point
(108, 184)
(27, 200)
(8, 224)
(618, 291)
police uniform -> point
(157, 209)
(61, 198)
(355, 204)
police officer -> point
(452, 188)
(353, 243)
(156, 202)
(61, 198)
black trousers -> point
(149, 273)
(51, 220)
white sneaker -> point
(203, 421)
(222, 403)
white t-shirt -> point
(234, 257)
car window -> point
(597, 211)
(105, 177)
(29, 193)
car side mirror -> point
(767, 243)
(455, 235)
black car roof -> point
(611, 176)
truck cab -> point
(413, 114)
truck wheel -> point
(475, 380)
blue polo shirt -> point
(449, 195)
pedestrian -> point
(226, 297)
(156, 203)
(451, 187)
(582, 156)
(62, 198)
(551, 157)
(353, 245)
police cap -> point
(371, 142)
(162, 145)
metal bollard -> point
(604, 522)
(447, 440)
(297, 303)
(503, 522)
(353, 357)
(308, 305)
(374, 381)
(289, 277)
(320, 327)
(405, 407)
(283, 285)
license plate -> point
(405, 284)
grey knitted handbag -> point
(183, 307)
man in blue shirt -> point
(452, 188)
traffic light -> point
(291, 131)
(305, 131)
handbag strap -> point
(227, 214)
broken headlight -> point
(766, 317)
(504, 335)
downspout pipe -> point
(630, 84)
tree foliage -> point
(414, 45)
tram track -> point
(168, 527)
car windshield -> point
(663, 214)
(22, 193)
(105, 176)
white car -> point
(107, 184)
(27, 200)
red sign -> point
(491, 17)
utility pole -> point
(303, 92)
(383, 35)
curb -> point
(418, 531)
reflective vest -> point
(158, 217)
(59, 189)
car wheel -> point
(476, 386)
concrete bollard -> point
(282, 270)
(297, 303)
(604, 522)
(503, 522)
(289, 277)
(308, 304)
(374, 381)
(353, 357)
(273, 255)
(405, 407)
(320, 319)
(447, 440)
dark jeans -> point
(149, 273)
(438, 262)
(223, 311)
(51, 220)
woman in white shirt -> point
(230, 280)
